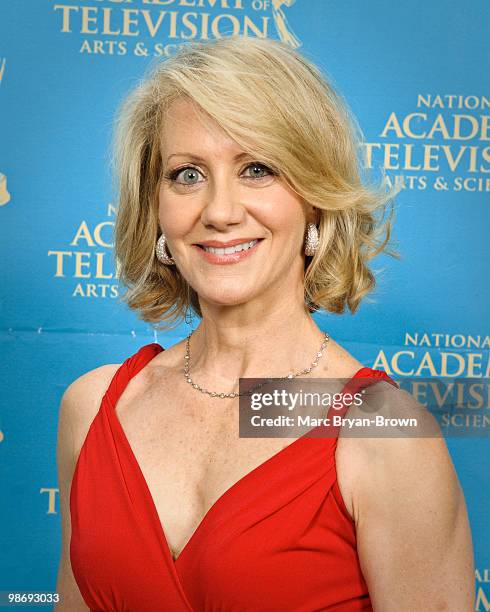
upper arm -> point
(79, 405)
(413, 534)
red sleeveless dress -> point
(279, 540)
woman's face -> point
(214, 192)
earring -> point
(161, 252)
(189, 317)
(312, 241)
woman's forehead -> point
(187, 132)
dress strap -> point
(129, 368)
(361, 379)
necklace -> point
(188, 378)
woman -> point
(243, 142)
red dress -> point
(278, 540)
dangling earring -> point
(189, 315)
(312, 241)
(161, 253)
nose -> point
(222, 206)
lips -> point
(222, 245)
(244, 246)
(221, 258)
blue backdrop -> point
(416, 76)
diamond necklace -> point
(188, 378)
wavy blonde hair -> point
(281, 109)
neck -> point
(246, 342)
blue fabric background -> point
(57, 101)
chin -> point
(228, 298)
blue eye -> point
(190, 173)
(261, 168)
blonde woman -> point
(241, 199)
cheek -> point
(172, 218)
(285, 218)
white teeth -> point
(233, 249)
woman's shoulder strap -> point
(144, 355)
(363, 378)
(130, 367)
(366, 372)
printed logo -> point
(442, 145)
(153, 28)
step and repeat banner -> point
(414, 73)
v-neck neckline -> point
(296, 443)
(212, 509)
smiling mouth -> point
(237, 248)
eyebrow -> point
(197, 158)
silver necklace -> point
(188, 378)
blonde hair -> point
(281, 109)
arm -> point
(413, 534)
(79, 405)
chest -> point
(282, 523)
(188, 448)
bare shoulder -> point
(409, 510)
(403, 445)
(81, 401)
(79, 405)
(360, 445)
